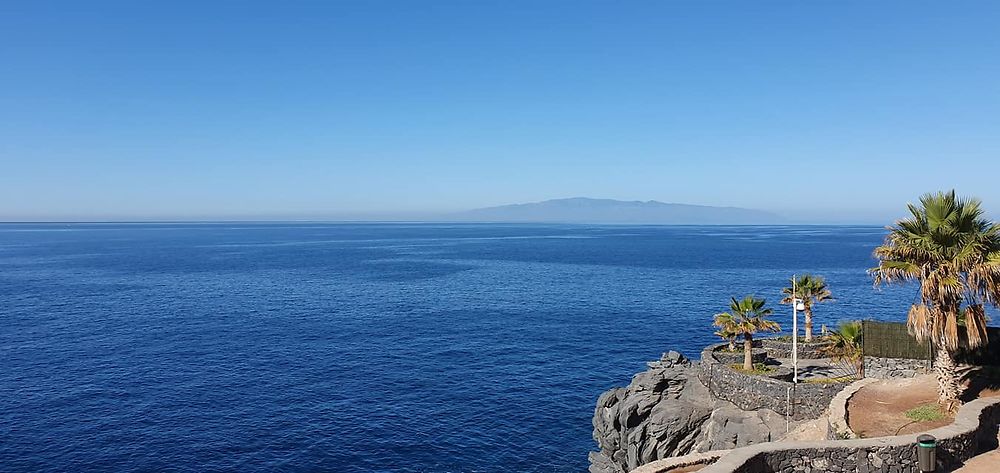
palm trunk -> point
(949, 388)
(748, 352)
(809, 324)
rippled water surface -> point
(379, 347)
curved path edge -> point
(840, 429)
(974, 431)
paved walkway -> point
(817, 368)
(988, 462)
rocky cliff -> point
(666, 412)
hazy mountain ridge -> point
(587, 210)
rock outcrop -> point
(666, 412)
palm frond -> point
(953, 251)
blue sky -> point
(820, 110)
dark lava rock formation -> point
(667, 412)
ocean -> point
(367, 347)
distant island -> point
(586, 210)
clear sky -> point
(820, 110)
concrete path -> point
(988, 462)
(817, 368)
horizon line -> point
(458, 222)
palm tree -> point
(726, 324)
(746, 317)
(845, 346)
(810, 290)
(954, 253)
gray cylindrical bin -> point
(926, 453)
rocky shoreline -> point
(666, 411)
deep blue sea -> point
(366, 347)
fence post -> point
(788, 407)
(864, 351)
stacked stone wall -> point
(973, 432)
(781, 348)
(723, 355)
(749, 392)
(884, 368)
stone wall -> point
(723, 355)
(668, 465)
(876, 367)
(752, 392)
(973, 432)
(780, 348)
(838, 426)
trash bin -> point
(926, 453)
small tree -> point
(746, 317)
(845, 346)
(725, 332)
(810, 290)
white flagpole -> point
(795, 332)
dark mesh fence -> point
(892, 340)
(988, 354)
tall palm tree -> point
(845, 346)
(746, 317)
(811, 290)
(953, 251)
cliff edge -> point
(667, 412)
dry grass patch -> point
(841, 379)
(926, 413)
(758, 368)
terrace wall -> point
(973, 432)
(878, 367)
(780, 348)
(751, 392)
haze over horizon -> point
(580, 210)
(834, 112)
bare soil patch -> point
(879, 409)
